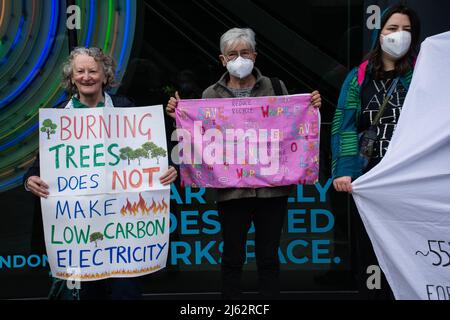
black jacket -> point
(37, 234)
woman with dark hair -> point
(380, 83)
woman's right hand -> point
(172, 104)
(37, 186)
(343, 184)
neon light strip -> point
(116, 27)
(17, 36)
(17, 139)
(108, 30)
(5, 23)
(2, 16)
(80, 5)
(125, 37)
(106, 44)
(44, 54)
(28, 35)
(51, 95)
(9, 143)
(33, 17)
(31, 129)
(55, 91)
(11, 182)
(64, 95)
(7, 173)
(21, 166)
(97, 25)
(24, 123)
(14, 43)
(19, 32)
(91, 23)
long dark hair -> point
(405, 63)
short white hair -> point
(237, 35)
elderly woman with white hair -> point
(87, 74)
(239, 207)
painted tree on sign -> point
(49, 127)
(95, 237)
(139, 154)
(126, 154)
(154, 151)
(148, 147)
(158, 152)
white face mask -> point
(396, 44)
(240, 67)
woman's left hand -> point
(169, 176)
(316, 100)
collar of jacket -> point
(226, 76)
(107, 104)
(77, 104)
(368, 70)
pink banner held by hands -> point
(247, 142)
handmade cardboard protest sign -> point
(247, 142)
(107, 214)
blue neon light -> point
(43, 56)
(11, 182)
(16, 40)
(17, 139)
(91, 24)
(19, 32)
(125, 37)
(30, 130)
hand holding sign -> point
(37, 186)
(172, 104)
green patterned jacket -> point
(344, 132)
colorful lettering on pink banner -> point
(248, 142)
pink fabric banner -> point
(247, 142)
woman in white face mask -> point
(238, 208)
(371, 99)
(395, 40)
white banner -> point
(404, 201)
(107, 214)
